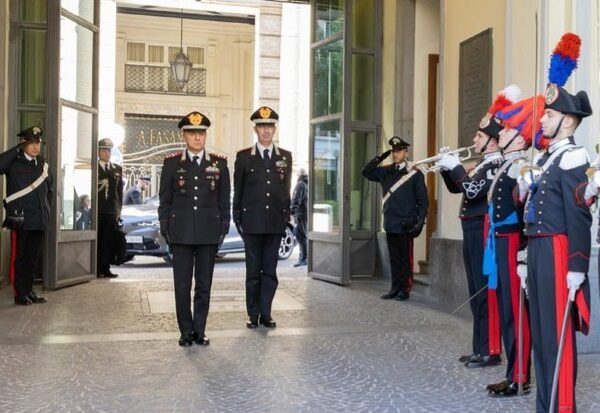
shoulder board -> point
(574, 158)
(515, 168)
(173, 155)
(245, 149)
(218, 156)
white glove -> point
(574, 281)
(523, 188)
(522, 273)
(443, 150)
(448, 162)
(591, 190)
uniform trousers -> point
(547, 266)
(197, 262)
(486, 337)
(262, 254)
(26, 250)
(508, 291)
(401, 261)
(107, 225)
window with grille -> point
(151, 73)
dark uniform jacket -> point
(110, 189)
(503, 196)
(408, 204)
(556, 206)
(300, 198)
(195, 204)
(133, 196)
(21, 173)
(261, 200)
(474, 186)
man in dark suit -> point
(404, 209)
(299, 210)
(134, 194)
(110, 201)
(29, 193)
(261, 210)
(194, 218)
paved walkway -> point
(111, 346)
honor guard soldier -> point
(474, 186)
(405, 206)
(557, 222)
(194, 214)
(506, 245)
(110, 202)
(261, 211)
(27, 205)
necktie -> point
(195, 160)
(105, 167)
(266, 157)
(33, 162)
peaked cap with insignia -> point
(194, 121)
(398, 144)
(33, 133)
(263, 115)
(105, 143)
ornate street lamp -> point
(181, 65)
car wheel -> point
(169, 257)
(287, 245)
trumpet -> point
(429, 164)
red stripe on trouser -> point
(494, 337)
(409, 281)
(566, 382)
(515, 290)
(494, 343)
(13, 258)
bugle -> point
(429, 164)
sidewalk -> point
(111, 346)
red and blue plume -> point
(520, 116)
(564, 59)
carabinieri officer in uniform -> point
(405, 206)
(261, 211)
(29, 193)
(194, 218)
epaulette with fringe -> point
(515, 168)
(173, 155)
(217, 155)
(574, 158)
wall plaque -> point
(475, 84)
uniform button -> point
(196, 178)
(466, 201)
(539, 222)
(244, 209)
(268, 170)
(497, 233)
(464, 209)
(267, 207)
(499, 198)
(268, 182)
(498, 206)
(543, 192)
(499, 189)
(539, 232)
(541, 202)
(501, 179)
(544, 181)
(539, 212)
(195, 198)
(268, 194)
(195, 207)
(497, 215)
(195, 188)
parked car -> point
(142, 233)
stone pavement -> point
(111, 346)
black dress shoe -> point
(403, 296)
(390, 295)
(268, 322)
(507, 389)
(22, 300)
(111, 275)
(201, 340)
(465, 358)
(484, 361)
(252, 322)
(186, 340)
(36, 299)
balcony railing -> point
(159, 79)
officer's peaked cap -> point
(194, 121)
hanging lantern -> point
(181, 65)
